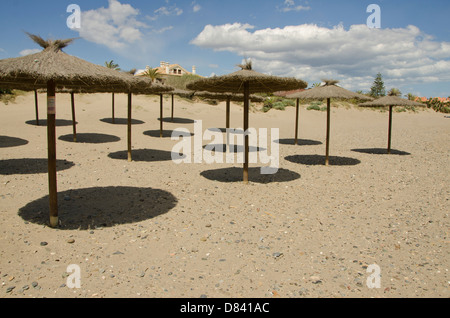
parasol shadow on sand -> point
(43, 122)
(230, 148)
(234, 174)
(390, 101)
(7, 142)
(53, 69)
(91, 138)
(382, 151)
(145, 155)
(166, 133)
(298, 142)
(31, 166)
(177, 120)
(327, 91)
(246, 81)
(122, 121)
(315, 160)
(91, 208)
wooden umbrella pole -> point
(227, 124)
(172, 107)
(51, 143)
(36, 106)
(296, 121)
(390, 130)
(113, 117)
(129, 128)
(328, 132)
(160, 115)
(228, 113)
(246, 113)
(74, 123)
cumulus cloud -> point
(354, 55)
(115, 26)
(28, 51)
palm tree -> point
(116, 67)
(112, 65)
(152, 73)
(394, 92)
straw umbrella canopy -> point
(51, 69)
(327, 91)
(246, 81)
(390, 101)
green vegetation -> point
(275, 102)
(378, 89)
(152, 73)
(112, 65)
(438, 106)
(8, 95)
(180, 82)
(395, 92)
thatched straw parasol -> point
(391, 101)
(51, 69)
(246, 81)
(327, 91)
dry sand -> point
(152, 228)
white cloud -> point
(28, 51)
(289, 5)
(115, 26)
(353, 56)
(196, 8)
(165, 11)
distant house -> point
(165, 68)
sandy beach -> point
(154, 228)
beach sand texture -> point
(153, 228)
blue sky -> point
(310, 40)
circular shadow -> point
(31, 166)
(58, 122)
(300, 142)
(381, 151)
(230, 148)
(121, 121)
(314, 160)
(167, 133)
(6, 142)
(101, 207)
(90, 138)
(177, 120)
(235, 174)
(231, 130)
(146, 155)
